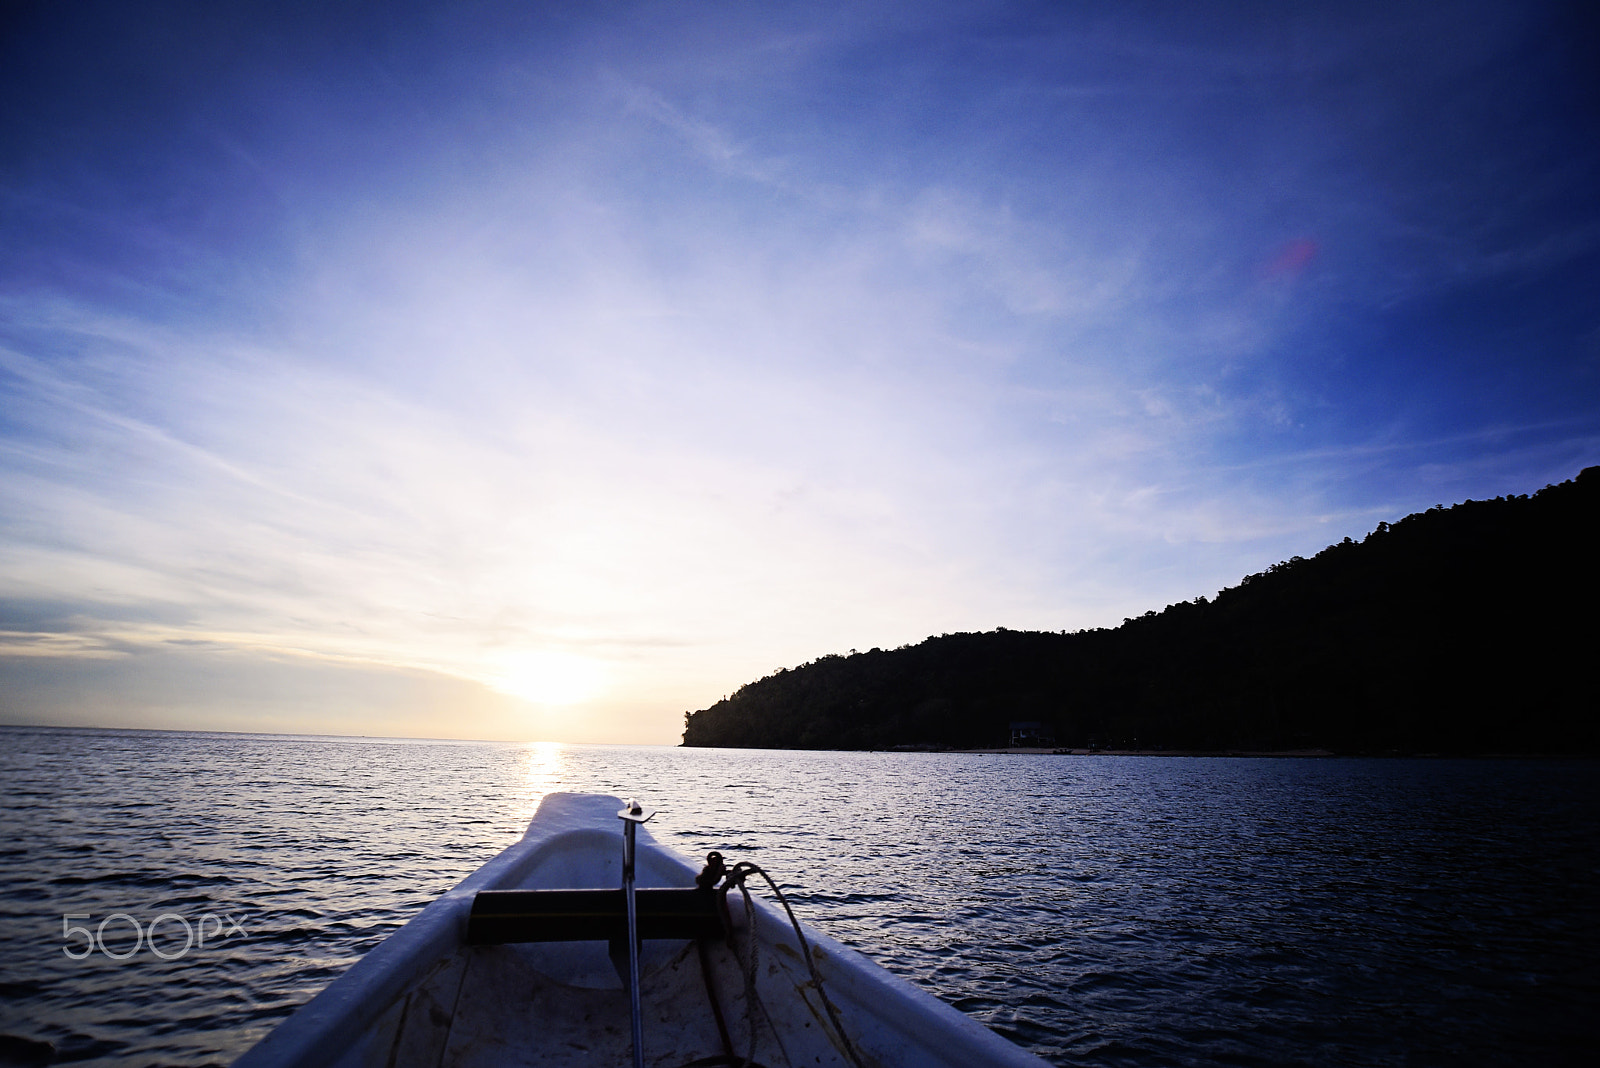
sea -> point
(167, 898)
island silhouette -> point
(1467, 629)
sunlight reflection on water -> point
(1104, 911)
(544, 775)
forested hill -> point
(1463, 629)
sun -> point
(548, 677)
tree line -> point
(1468, 629)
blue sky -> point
(548, 371)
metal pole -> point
(631, 817)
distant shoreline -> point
(1295, 753)
(1061, 751)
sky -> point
(548, 371)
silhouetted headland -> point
(1468, 629)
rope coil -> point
(738, 877)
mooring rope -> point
(737, 876)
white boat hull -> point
(424, 996)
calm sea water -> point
(1100, 911)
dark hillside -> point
(1462, 629)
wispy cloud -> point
(709, 142)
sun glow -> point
(549, 678)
